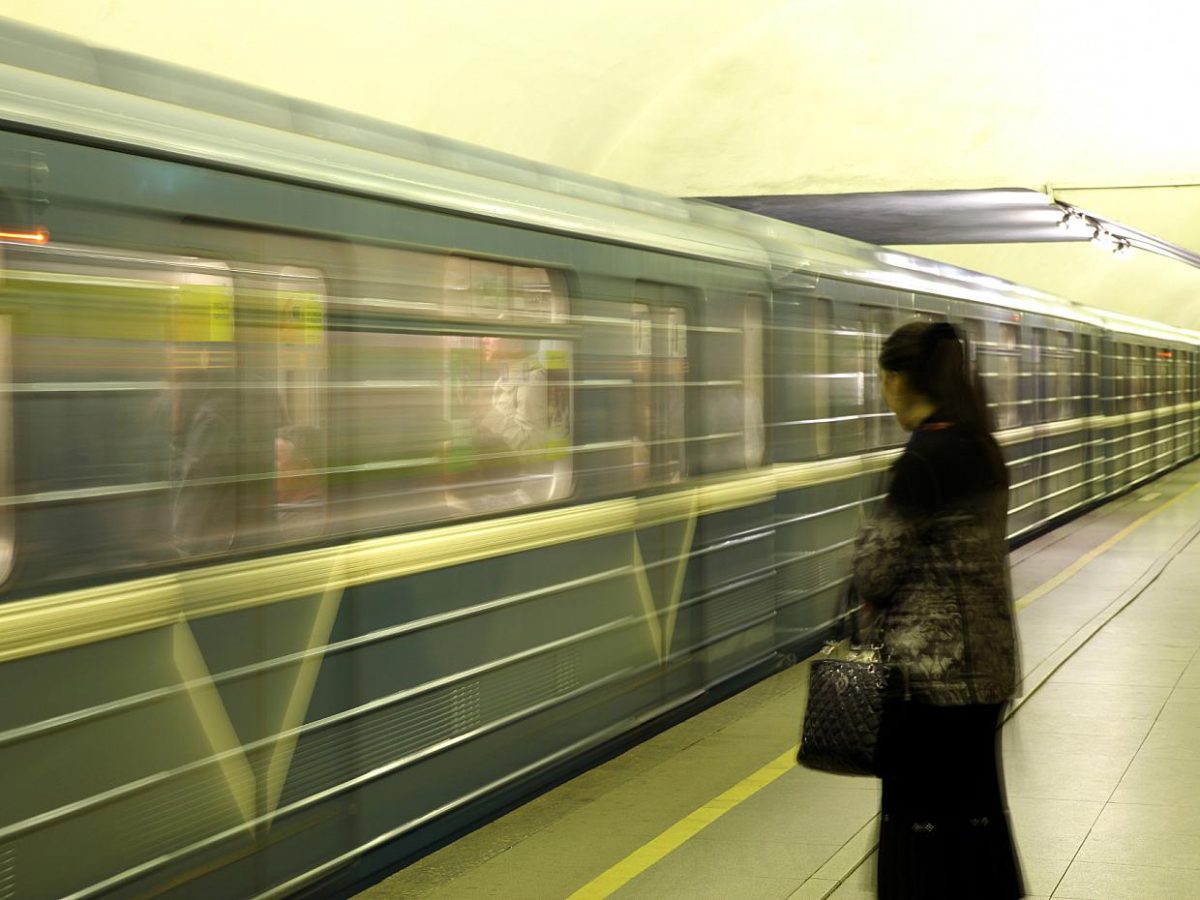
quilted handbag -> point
(845, 708)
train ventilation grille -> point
(463, 711)
(8, 873)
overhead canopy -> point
(1085, 104)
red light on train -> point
(1166, 354)
(36, 236)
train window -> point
(299, 441)
(1065, 367)
(1084, 386)
(1174, 367)
(668, 456)
(1179, 364)
(281, 428)
(1043, 367)
(752, 384)
(1154, 377)
(1000, 367)
(471, 416)
(660, 338)
(1123, 399)
(822, 375)
(803, 383)
(974, 332)
(1139, 378)
(642, 341)
(1168, 377)
(508, 407)
(881, 426)
(855, 377)
(202, 392)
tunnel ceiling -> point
(1083, 103)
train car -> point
(358, 483)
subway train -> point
(359, 483)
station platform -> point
(1101, 754)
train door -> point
(817, 382)
(662, 315)
(801, 378)
(274, 408)
(1063, 448)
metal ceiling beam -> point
(988, 216)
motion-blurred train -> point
(357, 483)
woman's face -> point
(895, 390)
(910, 408)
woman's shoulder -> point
(940, 465)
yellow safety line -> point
(1070, 571)
(616, 877)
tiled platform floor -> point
(1102, 756)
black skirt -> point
(944, 830)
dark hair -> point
(935, 360)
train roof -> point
(801, 256)
(53, 84)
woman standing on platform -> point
(932, 571)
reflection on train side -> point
(184, 408)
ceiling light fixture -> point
(1104, 239)
(1078, 222)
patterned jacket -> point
(933, 564)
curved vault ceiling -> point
(1083, 100)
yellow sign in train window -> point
(202, 313)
